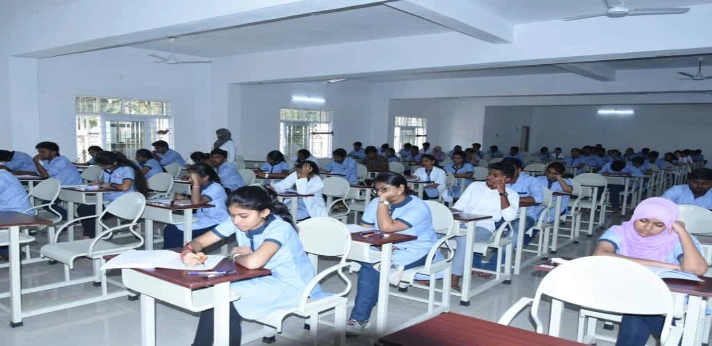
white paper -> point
(142, 259)
(673, 274)
(82, 187)
(354, 228)
(161, 200)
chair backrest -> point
(442, 217)
(92, 173)
(537, 168)
(128, 206)
(591, 282)
(324, 236)
(449, 179)
(323, 161)
(697, 219)
(47, 190)
(534, 159)
(173, 169)
(591, 179)
(615, 180)
(161, 182)
(337, 187)
(248, 176)
(483, 163)
(396, 167)
(495, 160)
(361, 171)
(238, 164)
(480, 173)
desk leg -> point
(383, 286)
(520, 240)
(626, 181)
(188, 226)
(692, 316)
(293, 204)
(149, 234)
(70, 218)
(148, 320)
(592, 219)
(421, 190)
(557, 220)
(221, 317)
(98, 209)
(15, 278)
(467, 275)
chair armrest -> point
(514, 310)
(63, 227)
(337, 268)
(674, 336)
(49, 206)
(497, 235)
(436, 248)
(103, 234)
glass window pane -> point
(87, 105)
(88, 134)
(110, 105)
(157, 108)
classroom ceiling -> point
(494, 72)
(658, 63)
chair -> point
(482, 163)
(361, 172)
(396, 167)
(320, 236)
(336, 189)
(447, 194)
(697, 221)
(593, 179)
(535, 169)
(239, 164)
(248, 176)
(590, 282)
(323, 161)
(480, 173)
(47, 191)
(543, 226)
(161, 185)
(495, 160)
(577, 194)
(173, 169)
(92, 174)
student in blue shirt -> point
(460, 169)
(50, 164)
(205, 188)
(629, 154)
(477, 150)
(620, 167)
(494, 152)
(358, 153)
(229, 176)
(200, 157)
(149, 166)
(266, 238)
(558, 155)
(514, 154)
(395, 210)
(654, 159)
(93, 150)
(544, 154)
(166, 156)
(554, 181)
(391, 155)
(304, 155)
(275, 164)
(415, 154)
(470, 157)
(13, 197)
(384, 149)
(697, 156)
(426, 148)
(454, 150)
(576, 161)
(120, 174)
(590, 159)
(17, 162)
(340, 164)
(405, 151)
(696, 192)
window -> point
(305, 129)
(124, 125)
(409, 130)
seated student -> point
(266, 238)
(687, 156)
(554, 180)
(590, 159)
(471, 157)
(460, 169)
(438, 154)
(629, 154)
(620, 167)
(200, 157)
(454, 150)
(514, 153)
(50, 164)
(576, 161)
(544, 154)
(426, 148)
(375, 162)
(93, 150)
(696, 191)
(205, 188)
(430, 172)
(166, 156)
(120, 174)
(492, 197)
(602, 156)
(655, 160)
(13, 197)
(17, 162)
(558, 155)
(697, 156)
(230, 178)
(341, 164)
(494, 152)
(383, 151)
(643, 152)
(405, 151)
(306, 181)
(415, 154)
(669, 158)
(358, 153)
(395, 210)
(477, 149)
(149, 166)
(304, 155)
(391, 155)
(653, 237)
(275, 164)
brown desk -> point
(450, 329)
(179, 278)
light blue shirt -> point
(574, 162)
(681, 194)
(629, 168)
(556, 187)
(155, 167)
(593, 160)
(209, 217)
(346, 167)
(91, 161)
(13, 196)
(361, 153)
(465, 168)
(544, 157)
(276, 168)
(673, 257)
(393, 159)
(528, 186)
(21, 162)
(230, 177)
(660, 163)
(517, 156)
(117, 176)
(494, 154)
(404, 152)
(171, 156)
(61, 168)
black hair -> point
(477, 144)
(544, 149)
(203, 170)
(260, 198)
(145, 153)
(517, 163)
(653, 153)
(458, 146)
(218, 151)
(304, 152)
(276, 156)
(358, 144)
(426, 143)
(199, 156)
(429, 157)
(701, 174)
(341, 152)
(638, 159)
(385, 146)
(506, 169)
(414, 147)
(160, 144)
(558, 148)
(312, 164)
(393, 179)
(645, 150)
(460, 153)
(617, 165)
(106, 158)
(6, 155)
(557, 166)
(575, 149)
(390, 150)
(407, 145)
(494, 147)
(514, 148)
(51, 146)
(371, 149)
(671, 155)
(95, 148)
(469, 150)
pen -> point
(203, 259)
(210, 273)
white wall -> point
(5, 137)
(503, 126)
(122, 72)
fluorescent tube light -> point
(308, 99)
(616, 112)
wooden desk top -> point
(291, 194)
(83, 190)
(466, 217)
(557, 193)
(29, 177)
(171, 206)
(179, 278)
(527, 204)
(450, 329)
(13, 218)
(389, 238)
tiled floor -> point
(117, 322)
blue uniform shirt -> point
(528, 186)
(209, 217)
(61, 168)
(517, 156)
(393, 159)
(361, 153)
(556, 187)
(574, 162)
(13, 196)
(117, 176)
(171, 156)
(673, 257)
(493, 154)
(346, 167)
(465, 168)
(230, 177)
(155, 167)
(593, 160)
(21, 162)
(681, 194)
(276, 168)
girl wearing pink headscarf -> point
(652, 237)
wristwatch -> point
(504, 194)
(384, 203)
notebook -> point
(150, 259)
(673, 274)
(83, 187)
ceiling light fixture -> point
(308, 99)
(609, 111)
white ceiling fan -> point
(698, 75)
(172, 60)
(618, 9)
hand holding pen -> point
(191, 257)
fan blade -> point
(194, 62)
(708, 77)
(585, 16)
(686, 74)
(655, 11)
(158, 57)
(615, 3)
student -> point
(304, 155)
(655, 160)
(93, 150)
(384, 149)
(477, 149)
(576, 161)
(438, 154)
(493, 198)
(275, 164)
(358, 153)
(629, 154)
(494, 152)
(230, 178)
(13, 197)
(415, 154)
(514, 154)
(454, 150)
(405, 151)
(391, 155)
(426, 148)
(225, 142)
(50, 164)
(395, 210)
(120, 174)
(620, 167)
(375, 162)
(670, 158)
(696, 192)
(653, 237)
(341, 164)
(266, 238)
(554, 180)
(602, 156)
(306, 180)
(470, 157)
(590, 159)
(558, 155)
(205, 188)
(200, 157)
(436, 175)
(17, 162)
(166, 156)
(149, 166)
(460, 169)
(697, 156)
(543, 154)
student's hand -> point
(679, 227)
(500, 185)
(241, 250)
(670, 266)
(390, 194)
(193, 259)
(194, 179)
(37, 158)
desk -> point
(361, 251)
(451, 329)
(520, 238)
(466, 292)
(181, 186)
(189, 292)
(293, 203)
(594, 197)
(31, 181)
(13, 221)
(72, 195)
(558, 197)
(359, 193)
(419, 186)
(163, 212)
(267, 181)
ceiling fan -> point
(698, 75)
(172, 60)
(618, 9)
(333, 81)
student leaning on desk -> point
(266, 238)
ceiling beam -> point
(598, 71)
(461, 16)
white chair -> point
(495, 160)
(323, 161)
(577, 194)
(361, 172)
(248, 176)
(482, 163)
(336, 189)
(161, 185)
(534, 159)
(47, 191)
(590, 282)
(396, 167)
(480, 173)
(239, 164)
(593, 179)
(450, 181)
(320, 236)
(173, 169)
(543, 226)
(92, 174)
(535, 169)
